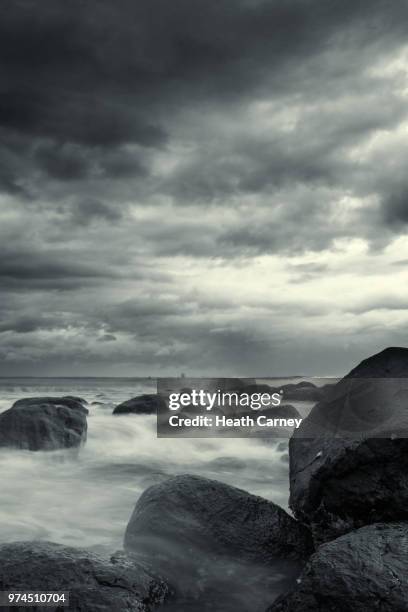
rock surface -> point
(271, 434)
(349, 458)
(70, 401)
(148, 403)
(94, 583)
(362, 571)
(216, 518)
(208, 539)
(302, 391)
(81, 400)
(283, 411)
(44, 423)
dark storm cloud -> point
(27, 324)
(395, 207)
(85, 211)
(174, 337)
(104, 74)
(107, 338)
(83, 80)
(148, 306)
(311, 154)
(289, 224)
(286, 235)
(12, 163)
(144, 142)
(21, 270)
(66, 162)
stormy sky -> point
(202, 186)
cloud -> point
(26, 324)
(67, 162)
(395, 208)
(26, 268)
(107, 338)
(85, 211)
(201, 187)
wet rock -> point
(349, 458)
(363, 570)
(270, 434)
(44, 423)
(283, 411)
(325, 390)
(216, 518)
(303, 391)
(94, 583)
(149, 403)
(75, 403)
(81, 400)
(208, 539)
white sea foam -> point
(87, 501)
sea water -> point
(87, 501)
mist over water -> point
(87, 500)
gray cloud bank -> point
(205, 187)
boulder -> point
(363, 570)
(44, 423)
(326, 389)
(283, 411)
(270, 434)
(349, 457)
(216, 518)
(81, 400)
(75, 403)
(94, 583)
(149, 403)
(210, 539)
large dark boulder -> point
(283, 411)
(362, 571)
(81, 400)
(210, 539)
(214, 517)
(94, 583)
(149, 403)
(349, 458)
(44, 423)
(70, 401)
(270, 434)
(302, 391)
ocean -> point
(87, 501)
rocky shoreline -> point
(194, 544)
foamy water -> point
(87, 501)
